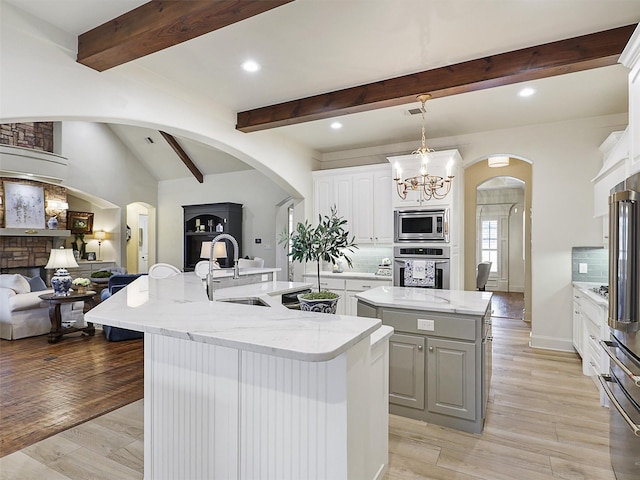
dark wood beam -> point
(183, 156)
(547, 60)
(157, 25)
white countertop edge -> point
(215, 338)
(381, 334)
(584, 287)
(459, 302)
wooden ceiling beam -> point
(183, 156)
(556, 58)
(160, 24)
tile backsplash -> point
(366, 258)
(597, 262)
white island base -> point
(219, 413)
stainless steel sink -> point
(246, 301)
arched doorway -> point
(477, 175)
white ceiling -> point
(314, 46)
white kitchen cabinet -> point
(372, 211)
(332, 190)
(362, 196)
(615, 154)
(589, 328)
(578, 338)
(630, 58)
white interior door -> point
(143, 243)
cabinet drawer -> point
(463, 328)
(360, 285)
(592, 312)
(326, 283)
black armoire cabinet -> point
(203, 222)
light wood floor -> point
(544, 422)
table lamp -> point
(219, 250)
(99, 235)
(61, 259)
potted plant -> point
(81, 284)
(328, 241)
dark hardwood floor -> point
(47, 388)
(508, 305)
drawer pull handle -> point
(366, 286)
(419, 347)
(592, 337)
(430, 349)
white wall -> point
(46, 83)
(565, 158)
(258, 195)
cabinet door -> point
(451, 378)
(406, 370)
(322, 196)
(363, 208)
(382, 209)
(342, 192)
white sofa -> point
(22, 313)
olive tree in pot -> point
(328, 241)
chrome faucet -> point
(236, 269)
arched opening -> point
(140, 237)
(491, 196)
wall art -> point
(24, 205)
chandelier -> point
(430, 186)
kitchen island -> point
(439, 355)
(244, 391)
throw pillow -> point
(37, 284)
(15, 282)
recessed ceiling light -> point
(250, 66)
(336, 125)
(526, 92)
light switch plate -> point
(424, 324)
(583, 267)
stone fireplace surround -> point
(28, 255)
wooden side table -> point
(55, 301)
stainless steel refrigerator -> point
(622, 385)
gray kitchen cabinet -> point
(406, 370)
(439, 365)
(451, 378)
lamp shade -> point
(61, 258)
(99, 235)
(219, 250)
(501, 161)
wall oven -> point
(622, 385)
(425, 267)
(421, 225)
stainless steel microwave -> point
(421, 225)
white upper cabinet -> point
(615, 153)
(630, 58)
(362, 196)
(372, 211)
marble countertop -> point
(428, 299)
(178, 307)
(585, 288)
(350, 274)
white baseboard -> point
(551, 343)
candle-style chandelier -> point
(429, 186)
